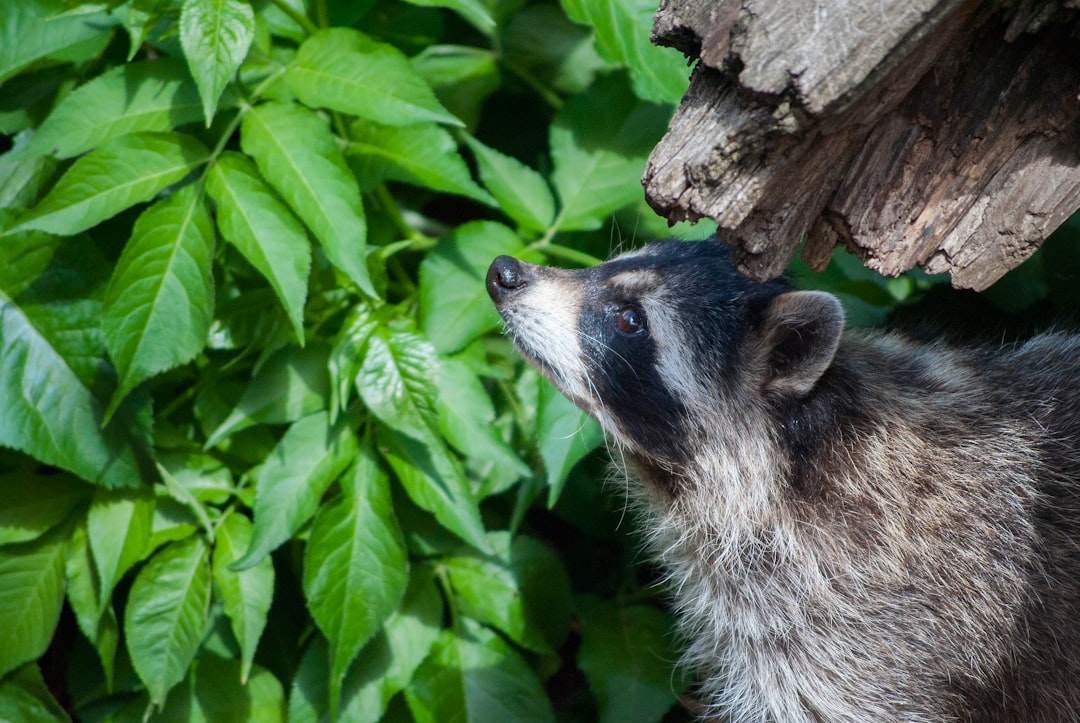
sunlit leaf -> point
(35, 29)
(246, 594)
(424, 155)
(251, 217)
(308, 458)
(166, 614)
(160, 301)
(298, 155)
(151, 95)
(345, 70)
(355, 567)
(118, 525)
(215, 35)
(125, 171)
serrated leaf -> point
(34, 504)
(25, 698)
(304, 463)
(521, 589)
(627, 655)
(599, 143)
(48, 410)
(264, 230)
(397, 381)
(118, 525)
(125, 171)
(296, 152)
(293, 383)
(246, 594)
(344, 70)
(150, 95)
(33, 29)
(348, 354)
(435, 482)
(463, 77)
(521, 192)
(622, 29)
(565, 434)
(22, 178)
(95, 616)
(355, 567)
(215, 36)
(385, 666)
(553, 49)
(473, 675)
(424, 155)
(466, 419)
(31, 597)
(454, 303)
(166, 615)
(160, 302)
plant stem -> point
(296, 16)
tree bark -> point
(943, 133)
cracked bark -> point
(943, 133)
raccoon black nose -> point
(505, 276)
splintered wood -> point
(939, 133)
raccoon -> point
(856, 526)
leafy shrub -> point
(264, 450)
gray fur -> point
(856, 527)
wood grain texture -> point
(944, 134)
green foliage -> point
(261, 435)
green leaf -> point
(166, 615)
(622, 30)
(435, 482)
(34, 504)
(521, 192)
(344, 70)
(553, 49)
(263, 229)
(467, 417)
(246, 594)
(599, 143)
(118, 525)
(565, 434)
(305, 462)
(627, 656)
(454, 305)
(348, 354)
(31, 597)
(522, 590)
(160, 302)
(125, 171)
(397, 381)
(25, 698)
(292, 384)
(355, 567)
(215, 35)
(424, 155)
(473, 675)
(385, 666)
(463, 77)
(151, 95)
(48, 410)
(475, 11)
(212, 693)
(94, 614)
(35, 29)
(296, 152)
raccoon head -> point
(659, 343)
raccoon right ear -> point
(801, 330)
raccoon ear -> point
(801, 331)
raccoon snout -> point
(505, 276)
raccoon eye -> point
(629, 321)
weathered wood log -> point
(943, 133)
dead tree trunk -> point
(943, 133)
